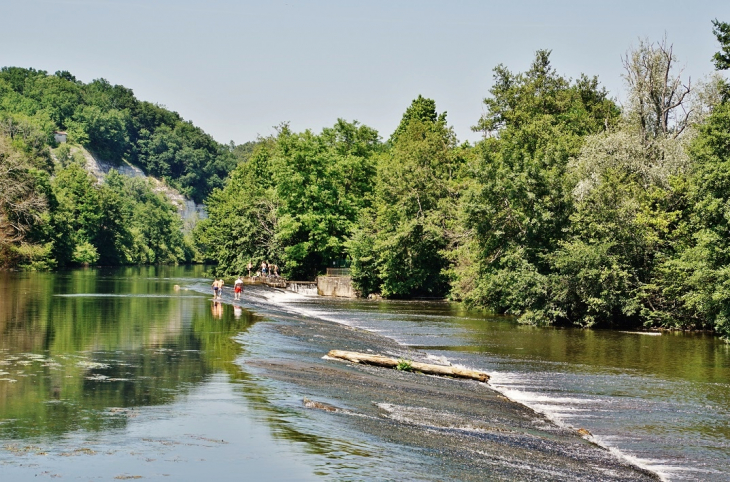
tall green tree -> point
(294, 202)
(398, 248)
(722, 33)
(696, 277)
(535, 122)
(630, 199)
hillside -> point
(189, 211)
(111, 122)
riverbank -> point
(463, 429)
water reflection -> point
(216, 309)
(78, 349)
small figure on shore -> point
(237, 288)
(264, 268)
(250, 267)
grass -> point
(404, 365)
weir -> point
(338, 286)
(302, 287)
(334, 286)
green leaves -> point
(111, 122)
(519, 205)
(722, 32)
(398, 247)
(123, 220)
(294, 202)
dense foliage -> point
(294, 202)
(62, 216)
(399, 246)
(570, 210)
(109, 121)
(53, 213)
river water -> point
(137, 373)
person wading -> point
(237, 288)
(217, 288)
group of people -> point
(267, 269)
(218, 288)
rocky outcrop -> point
(189, 211)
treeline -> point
(571, 210)
(61, 216)
(109, 121)
(54, 214)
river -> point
(137, 373)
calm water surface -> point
(120, 369)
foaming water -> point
(661, 402)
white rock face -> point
(189, 211)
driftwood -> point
(384, 361)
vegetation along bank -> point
(572, 209)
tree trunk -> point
(384, 361)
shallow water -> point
(137, 378)
(659, 401)
(114, 374)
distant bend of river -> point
(137, 366)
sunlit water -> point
(139, 374)
(659, 401)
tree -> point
(631, 205)
(722, 33)
(104, 132)
(520, 204)
(294, 202)
(76, 218)
(657, 96)
(22, 204)
(697, 276)
(397, 249)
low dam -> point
(338, 286)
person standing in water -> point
(237, 288)
(217, 288)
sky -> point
(239, 68)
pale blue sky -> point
(237, 68)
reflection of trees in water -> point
(95, 353)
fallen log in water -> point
(384, 361)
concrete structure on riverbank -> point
(338, 286)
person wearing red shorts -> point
(237, 288)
